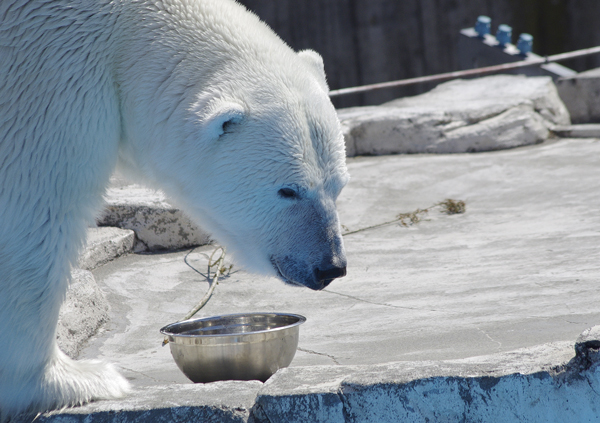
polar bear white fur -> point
(195, 97)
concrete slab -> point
(581, 95)
(518, 269)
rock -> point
(84, 310)
(587, 346)
(157, 224)
(484, 114)
(581, 95)
(104, 245)
(589, 338)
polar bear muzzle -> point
(291, 273)
(312, 273)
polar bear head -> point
(257, 157)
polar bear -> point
(198, 98)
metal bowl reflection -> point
(250, 346)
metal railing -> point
(468, 72)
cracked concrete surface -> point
(304, 350)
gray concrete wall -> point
(368, 41)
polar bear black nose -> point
(325, 276)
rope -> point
(220, 270)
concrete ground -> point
(519, 269)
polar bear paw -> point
(65, 383)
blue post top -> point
(483, 25)
(504, 34)
(525, 43)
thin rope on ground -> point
(220, 270)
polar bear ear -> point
(221, 118)
(315, 61)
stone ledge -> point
(539, 384)
(227, 402)
(104, 245)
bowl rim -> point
(166, 329)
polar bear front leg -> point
(35, 375)
(60, 130)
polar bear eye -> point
(227, 126)
(287, 193)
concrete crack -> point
(587, 378)
(258, 415)
(379, 304)
(318, 353)
(489, 337)
(346, 409)
(142, 374)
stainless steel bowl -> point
(236, 346)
